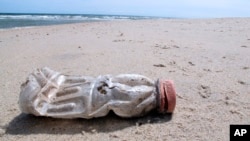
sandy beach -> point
(208, 59)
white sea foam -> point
(23, 20)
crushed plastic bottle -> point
(52, 94)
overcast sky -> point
(166, 8)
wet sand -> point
(208, 59)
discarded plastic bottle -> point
(52, 94)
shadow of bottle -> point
(29, 124)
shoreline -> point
(123, 20)
(8, 20)
(208, 59)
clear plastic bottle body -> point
(49, 93)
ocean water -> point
(29, 20)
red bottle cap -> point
(167, 96)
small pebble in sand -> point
(208, 70)
(175, 46)
(159, 65)
(242, 82)
(245, 68)
(191, 63)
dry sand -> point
(209, 60)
